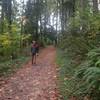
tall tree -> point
(95, 6)
(2, 15)
(6, 13)
(9, 13)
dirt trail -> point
(37, 82)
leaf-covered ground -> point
(37, 82)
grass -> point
(67, 83)
(10, 66)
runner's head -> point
(33, 42)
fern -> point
(94, 53)
(97, 64)
(89, 74)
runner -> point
(33, 51)
(37, 48)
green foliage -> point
(89, 75)
(75, 45)
(82, 41)
(10, 43)
(67, 82)
(9, 67)
(79, 80)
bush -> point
(75, 45)
(11, 45)
(89, 75)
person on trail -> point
(33, 51)
(37, 48)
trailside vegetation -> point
(79, 54)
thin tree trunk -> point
(95, 6)
(2, 17)
(9, 14)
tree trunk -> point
(95, 6)
(2, 15)
(9, 14)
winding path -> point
(37, 82)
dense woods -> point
(79, 56)
(22, 22)
(72, 25)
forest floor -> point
(33, 82)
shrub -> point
(89, 75)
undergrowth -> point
(10, 66)
(67, 82)
(79, 78)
